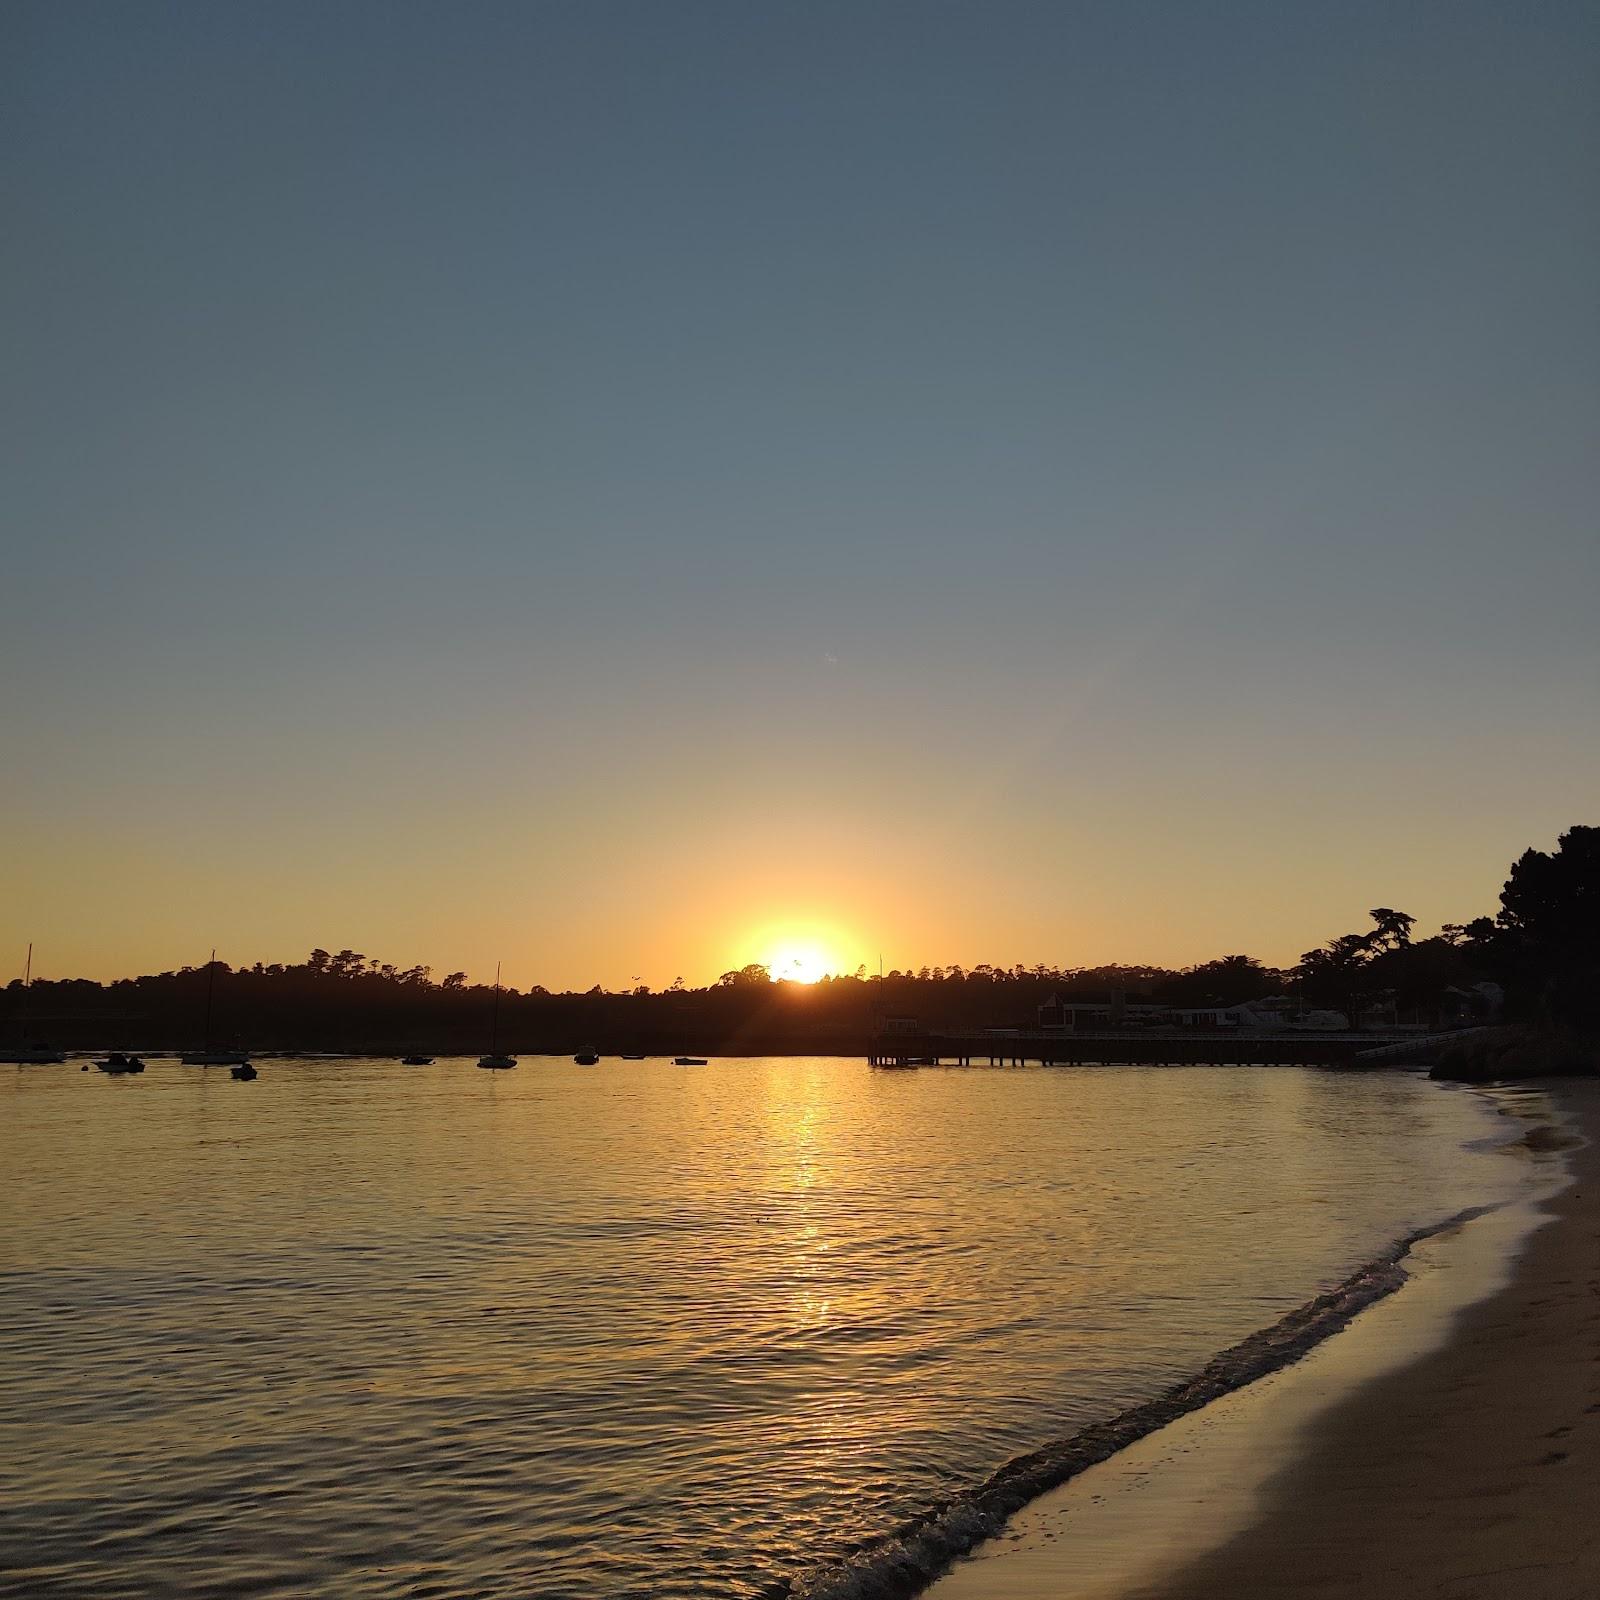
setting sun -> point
(800, 948)
(800, 963)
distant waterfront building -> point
(1074, 1013)
(1319, 1021)
(1274, 1011)
(1206, 1016)
(1481, 1003)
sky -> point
(629, 489)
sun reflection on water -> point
(630, 1332)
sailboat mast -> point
(494, 1021)
(211, 984)
(22, 1004)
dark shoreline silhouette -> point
(346, 1005)
(1536, 962)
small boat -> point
(689, 1061)
(588, 1057)
(416, 1061)
(494, 1061)
(118, 1062)
(244, 1072)
(633, 1058)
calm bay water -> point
(635, 1330)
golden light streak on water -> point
(359, 1330)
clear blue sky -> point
(614, 484)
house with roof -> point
(1070, 1012)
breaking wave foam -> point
(904, 1562)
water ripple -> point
(357, 1332)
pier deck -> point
(1143, 1047)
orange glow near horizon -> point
(799, 963)
(799, 954)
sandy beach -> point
(1446, 1444)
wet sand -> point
(1446, 1445)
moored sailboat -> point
(495, 1061)
(23, 1054)
(205, 1056)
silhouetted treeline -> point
(348, 1002)
(1542, 949)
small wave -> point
(907, 1560)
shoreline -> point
(1443, 1443)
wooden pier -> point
(1138, 1047)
